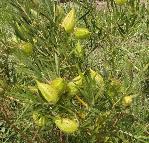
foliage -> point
(35, 47)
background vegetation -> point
(118, 49)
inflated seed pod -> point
(79, 51)
(98, 78)
(120, 2)
(67, 125)
(59, 84)
(74, 86)
(116, 84)
(115, 87)
(27, 48)
(82, 33)
(34, 13)
(52, 92)
(39, 120)
(68, 22)
(48, 92)
(127, 100)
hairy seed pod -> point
(59, 84)
(34, 13)
(98, 78)
(120, 2)
(67, 125)
(38, 119)
(126, 101)
(68, 22)
(116, 84)
(48, 92)
(74, 86)
(27, 48)
(82, 33)
(115, 87)
(79, 51)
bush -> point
(72, 72)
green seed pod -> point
(74, 86)
(38, 119)
(79, 51)
(59, 84)
(34, 13)
(50, 93)
(82, 33)
(120, 2)
(72, 89)
(98, 78)
(27, 48)
(67, 125)
(116, 84)
(68, 22)
(115, 87)
(126, 101)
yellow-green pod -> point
(72, 89)
(79, 51)
(27, 48)
(98, 78)
(120, 2)
(67, 125)
(48, 92)
(116, 84)
(38, 119)
(82, 33)
(68, 22)
(74, 86)
(59, 84)
(34, 13)
(127, 101)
